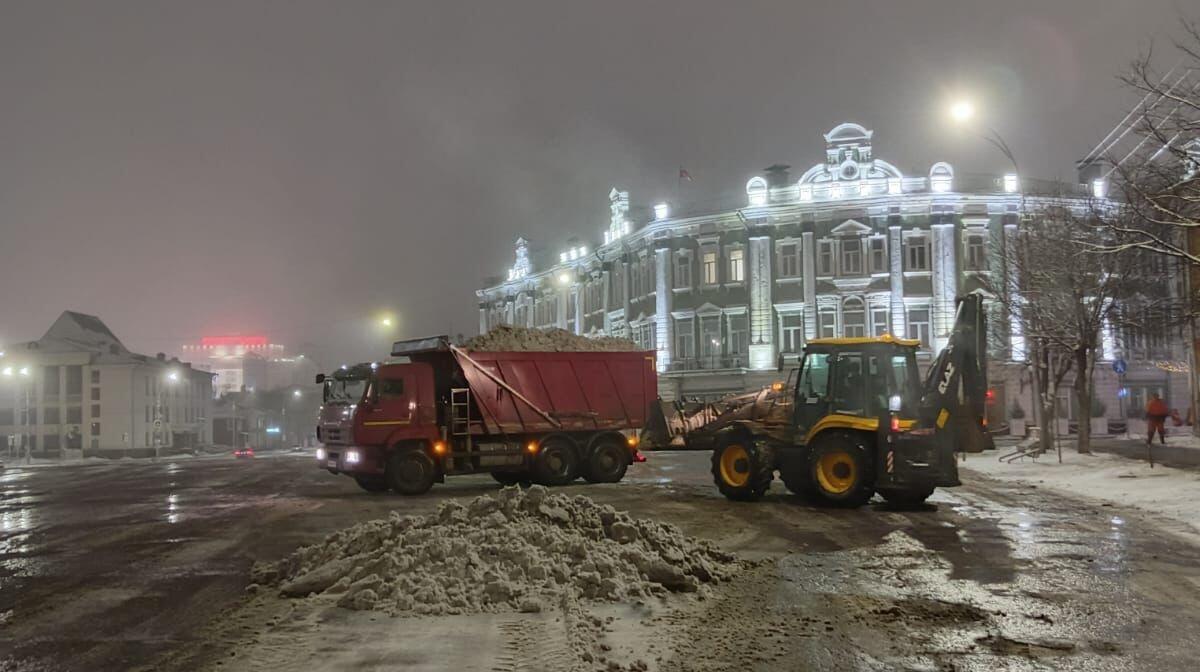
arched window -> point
(854, 322)
(756, 191)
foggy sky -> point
(293, 168)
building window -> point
(648, 284)
(976, 251)
(95, 376)
(854, 318)
(789, 260)
(880, 317)
(739, 335)
(916, 253)
(825, 257)
(685, 338)
(683, 270)
(95, 394)
(7, 417)
(918, 325)
(879, 258)
(827, 322)
(710, 335)
(737, 265)
(74, 415)
(50, 384)
(709, 268)
(75, 380)
(50, 415)
(792, 327)
(95, 429)
(851, 256)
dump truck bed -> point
(533, 392)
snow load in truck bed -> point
(519, 339)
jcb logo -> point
(946, 378)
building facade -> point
(79, 391)
(245, 363)
(852, 247)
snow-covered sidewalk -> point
(1173, 494)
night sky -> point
(294, 168)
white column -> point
(662, 306)
(896, 260)
(483, 325)
(808, 249)
(510, 310)
(564, 300)
(605, 289)
(579, 291)
(1016, 335)
(945, 284)
(530, 301)
(761, 320)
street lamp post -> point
(26, 424)
(171, 378)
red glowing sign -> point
(234, 341)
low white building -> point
(79, 390)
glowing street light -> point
(962, 111)
(297, 394)
(387, 321)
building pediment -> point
(851, 227)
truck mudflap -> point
(917, 458)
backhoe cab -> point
(861, 421)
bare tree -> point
(1063, 296)
(1152, 158)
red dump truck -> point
(545, 417)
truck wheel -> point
(906, 499)
(410, 471)
(741, 470)
(607, 463)
(372, 483)
(510, 477)
(841, 471)
(556, 463)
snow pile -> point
(519, 339)
(521, 550)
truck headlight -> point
(353, 457)
(320, 454)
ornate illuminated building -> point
(852, 247)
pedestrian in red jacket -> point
(1156, 417)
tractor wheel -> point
(556, 463)
(510, 477)
(372, 483)
(741, 469)
(840, 468)
(607, 463)
(410, 471)
(906, 499)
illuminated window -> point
(709, 268)
(737, 265)
(685, 338)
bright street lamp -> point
(962, 110)
(297, 394)
(387, 321)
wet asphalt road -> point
(134, 566)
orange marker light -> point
(632, 441)
(439, 447)
(777, 386)
(532, 447)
